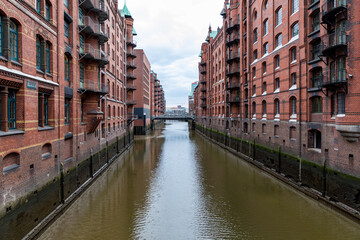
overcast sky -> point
(171, 33)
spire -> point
(125, 11)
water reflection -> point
(176, 185)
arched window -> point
(14, 41)
(293, 107)
(266, 27)
(109, 111)
(67, 68)
(294, 6)
(295, 29)
(38, 53)
(265, 4)
(341, 103)
(81, 16)
(278, 40)
(11, 162)
(38, 6)
(264, 108)
(47, 10)
(255, 35)
(277, 61)
(254, 108)
(82, 75)
(277, 108)
(114, 113)
(278, 15)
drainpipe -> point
(59, 95)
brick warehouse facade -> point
(66, 77)
(292, 78)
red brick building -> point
(65, 87)
(158, 103)
(291, 78)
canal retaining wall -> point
(338, 190)
(31, 214)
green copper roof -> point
(213, 34)
(200, 53)
(125, 11)
(134, 32)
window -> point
(277, 83)
(277, 107)
(316, 105)
(43, 110)
(82, 111)
(47, 11)
(293, 54)
(81, 43)
(314, 139)
(316, 49)
(48, 57)
(255, 35)
(293, 79)
(294, 6)
(255, 15)
(264, 67)
(255, 54)
(317, 78)
(66, 3)
(1, 36)
(278, 16)
(264, 87)
(81, 16)
(266, 48)
(293, 106)
(264, 108)
(38, 53)
(316, 22)
(277, 61)
(265, 5)
(254, 108)
(295, 30)
(278, 40)
(66, 29)
(67, 68)
(12, 109)
(341, 103)
(82, 73)
(332, 105)
(266, 27)
(38, 6)
(67, 111)
(254, 72)
(14, 41)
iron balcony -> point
(88, 27)
(335, 41)
(97, 6)
(87, 52)
(233, 56)
(90, 86)
(331, 8)
(233, 24)
(335, 78)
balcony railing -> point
(233, 38)
(233, 99)
(234, 23)
(130, 76)
(131, 42)
(89, 27)
(131, 102)
(130, 87)
(233, 85)
(87, 52)
(335, 41)
(331, 8)
(93, 86)
(233, 70)
(233, 56)
(97, 6)
(335, 78)
(131, 54)
(131, 64)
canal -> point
(174, 184)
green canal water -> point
(174, 184)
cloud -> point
(171, 34)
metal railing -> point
(233, 55)
(335, 77)
(233, 37)
(330, 5)
(235, 98)
(233, 70)
(131, 86)
(131, 102)
(334, 39)
(87, 23)
(233, 85)
(234, 22)
(131, 41)
(89, 51)
(88, 84)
